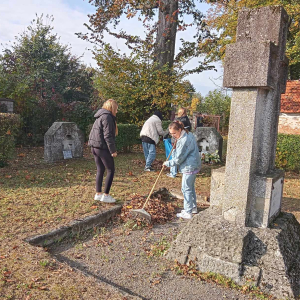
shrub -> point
(79, 113)
(9, 127)
(128, 136)
(165, 124)
(288, 152)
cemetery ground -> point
(36, 198)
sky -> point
(69, 17)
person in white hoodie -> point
(149, 134)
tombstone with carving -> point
(243, 235)
(209, 140)
(63, 140)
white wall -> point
(289, 123)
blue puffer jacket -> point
(186, 155)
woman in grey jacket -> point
(102, 142)
(187, 158)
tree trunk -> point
(166, 32)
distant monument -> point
(243, 235)
(209, 140)
(63, 140)
(6, 105)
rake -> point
(141, 212)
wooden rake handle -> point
(158, 177)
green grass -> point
(36, 198)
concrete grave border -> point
(74, 227)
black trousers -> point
(104, 161)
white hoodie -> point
(152, 128)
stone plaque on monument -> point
(276, 198)
(67, 154)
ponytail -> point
(177, 125)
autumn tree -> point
(43, 77)
(222, 20)
(133, 80)
(216, 103)
(196, 102)
(161, 20)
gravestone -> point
(63, 140)
(6, 105)
(243, 235)
(209, 140)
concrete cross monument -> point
(243, 235)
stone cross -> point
(230, 237)
(204, 146)
(256, 69)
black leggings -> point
(104, 160)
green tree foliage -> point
(222, 19)
(134, 82)
(216, 103)
(43, 77)
(288, 152)
(152, 70)
(161, 20)
(9, 127)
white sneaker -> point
(184, 215)
(107, 199)
(194, 210)
(171, 175)
(98, 197)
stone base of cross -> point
(243, 235)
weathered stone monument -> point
(209, 140)
(6, 105)
(63, 140)
(243, 235)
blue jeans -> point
(173, 170)
(150, 153)
(188, 191)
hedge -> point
(288, 152)
(9, 127)
(128, 136)
(165, 124)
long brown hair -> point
(112, 106)
(177, 125)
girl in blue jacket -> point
(187, 158)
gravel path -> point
(131, 263)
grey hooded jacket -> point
(103, 132)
